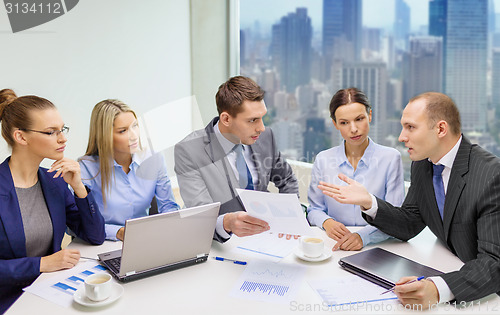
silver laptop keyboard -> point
(114, 264)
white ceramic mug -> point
(98, 287)
(311, 246)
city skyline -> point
(449, 54)
(373, 11)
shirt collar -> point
(227, 145)
(448, 159)
(366, 155)
(137, 158)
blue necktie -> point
(437, 181)
(245, 178)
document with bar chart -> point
(269, 282)
(60, 288)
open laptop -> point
(383, 267)
(163, 242)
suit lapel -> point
(216, 153)
(10, 214)
(456, 183)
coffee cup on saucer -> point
(311, 246)
(98, 287)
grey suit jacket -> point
(471, 224)
(205, 175)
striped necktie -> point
(437, 182)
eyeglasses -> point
(56, 133)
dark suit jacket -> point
(471, 224)
(81, 215)
(205, 175)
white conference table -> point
(205, 288)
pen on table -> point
(239, 262)
(414, 280)
(89, 258)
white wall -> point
(210, 51)
(136, 51)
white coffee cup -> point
(311, 246)
(98, 287)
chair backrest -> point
(154, 206)
(302, 171)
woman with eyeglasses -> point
(124, 177)
(377, 167)
(36, 204)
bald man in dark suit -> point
(455, 191)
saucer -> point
(80, 298)
(327, 253)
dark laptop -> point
(383, 267)
(163, 242)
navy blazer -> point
(81, 215)
(471, 224)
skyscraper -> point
(353, 27)
(342, 27)
(332, 24)
(495, 81)
(289, 137)
(291, 46)
(437, 17)
(315, 138)
(401, 24)
(465, 61)
(437, 24)
(371, 39)
(424, 66)
(372, 79)
(243, 55)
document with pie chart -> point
(282, 212)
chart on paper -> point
(349, 289)
(60, 289)
(270, 282)
(269, 246)
(268, 289)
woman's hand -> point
(120, 233)
(350, 241)
(335, 229)
(69, 170)
(63, 259)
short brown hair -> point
(441, 107)
(15, 112)
(234, 92)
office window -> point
(302, 52)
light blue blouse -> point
(130, 194)
(380, 170)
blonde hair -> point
(101, 138)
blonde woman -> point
(36, 205)
(124, 178)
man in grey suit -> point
(234, 150)
(455, 191)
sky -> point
(376, 13)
